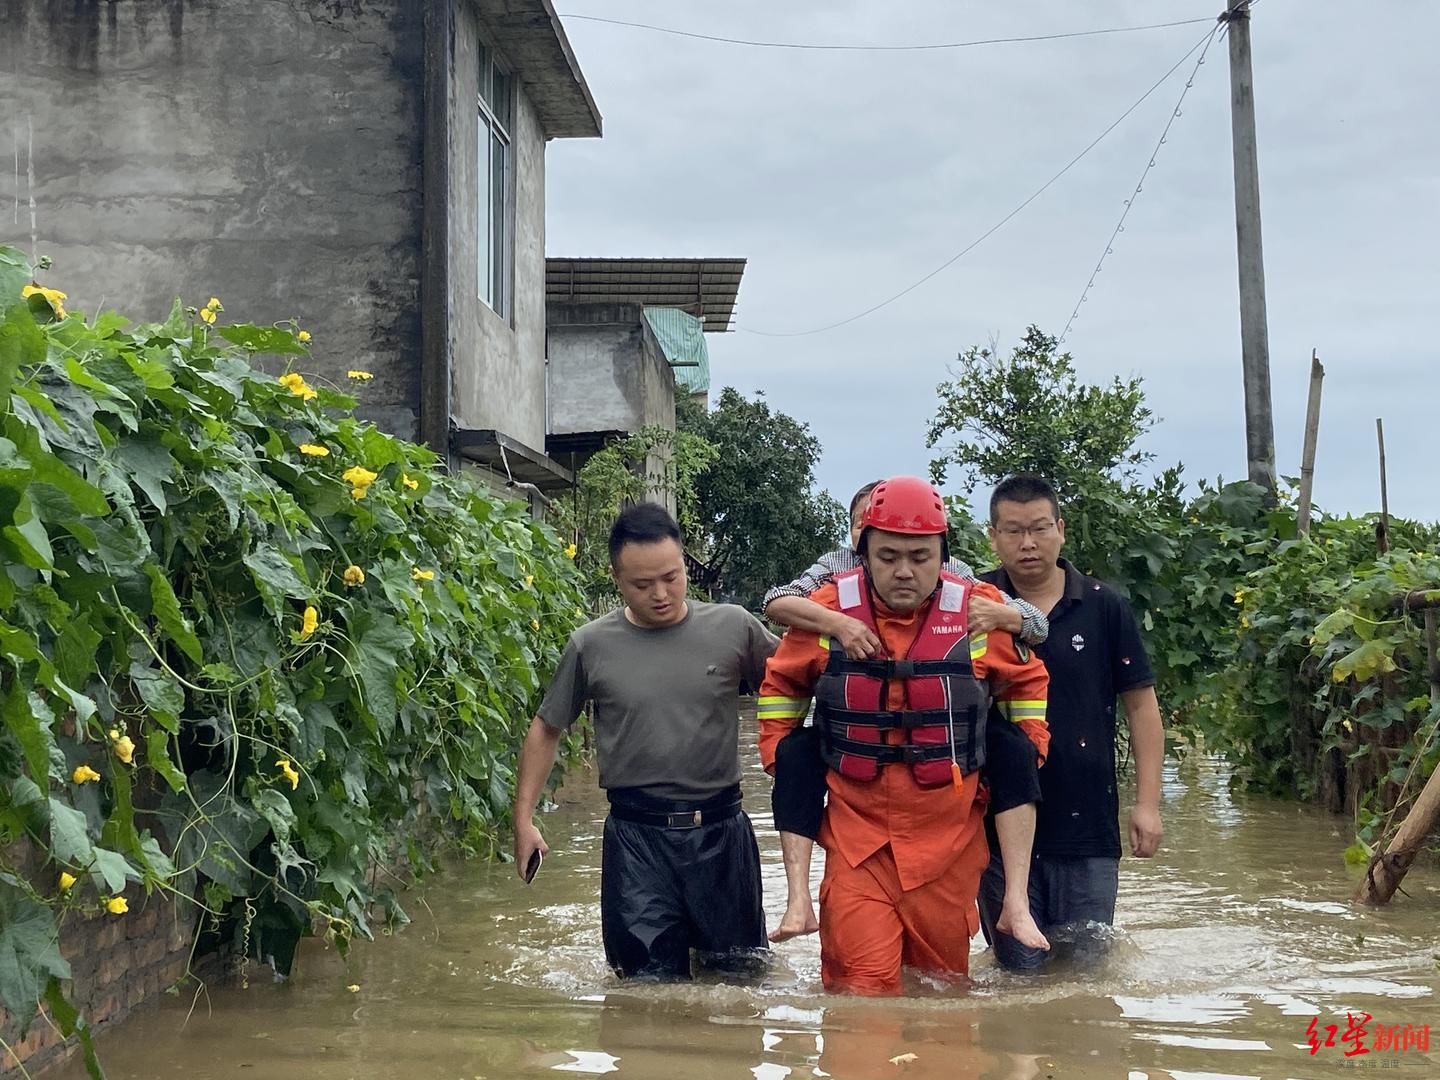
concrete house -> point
(373, 169)
(625, 338)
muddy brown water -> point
(1228, 944)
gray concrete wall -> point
(268, 154)
(607, 372)
(498, 364)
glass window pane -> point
(482, 210)
(487, 66)
(499, 162)
(500, 98)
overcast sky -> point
(844, 177)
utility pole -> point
(1254, 335)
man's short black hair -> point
(1022, 488)
(861, 495)
(643, 523)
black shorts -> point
(667, 891)
(798, 795)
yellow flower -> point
(303, 337)
(114, 733)
(117, 905)
(535, 624)
(124, 749)
(354, 988)
(570, 551)
(83, 774)
(354, 575)
(409, 483)
(214, 304)
(1239, 596)
(308, 622)
(529, 580)
(54, 297)
(310, 449)
(296, 384)
(288, 771)
(207, 316)
(359, 480)
(359, 376)
(66, 880)
(580, 612)
(1245, 621)
(422, 575)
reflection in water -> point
(1227, 946)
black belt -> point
(684, 819)
(644, 809)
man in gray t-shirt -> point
(680, 869)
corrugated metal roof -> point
(682, 337)
(703, 287)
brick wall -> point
(118, 963)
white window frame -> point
(495, 223)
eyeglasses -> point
(1015, 532)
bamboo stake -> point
(1382, 534)
(1312, 435)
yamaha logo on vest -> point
(947, 629)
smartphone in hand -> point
(533, 866)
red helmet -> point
(907, 504)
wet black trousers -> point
(798, 797)
(667, 890)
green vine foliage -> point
(249, 645)
(653, 463)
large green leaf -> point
(167, 610)
(149, 467)
(262, 339)
(20, 343)
(69, 836)
(276, 576)
(161, 694)
(378, 644)
(157, 755)
(28, 719)
(113, 870)
(275, 808)
(29, 953)
(28, 537)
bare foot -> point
(798, 920)
(1020, 925)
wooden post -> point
(1382, 533)
(1432, 654)
(1254, 335)
(1312, 436)
(1386, 871)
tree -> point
(760, 520)
(1031, 413)
(617, 476)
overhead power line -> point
(1109, 248)
(928, 47)
(1203, 43)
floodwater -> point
(1228, 944)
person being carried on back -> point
(902, 736)
(799, 793)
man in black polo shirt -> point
(1094, 654)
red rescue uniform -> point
(903, 861)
